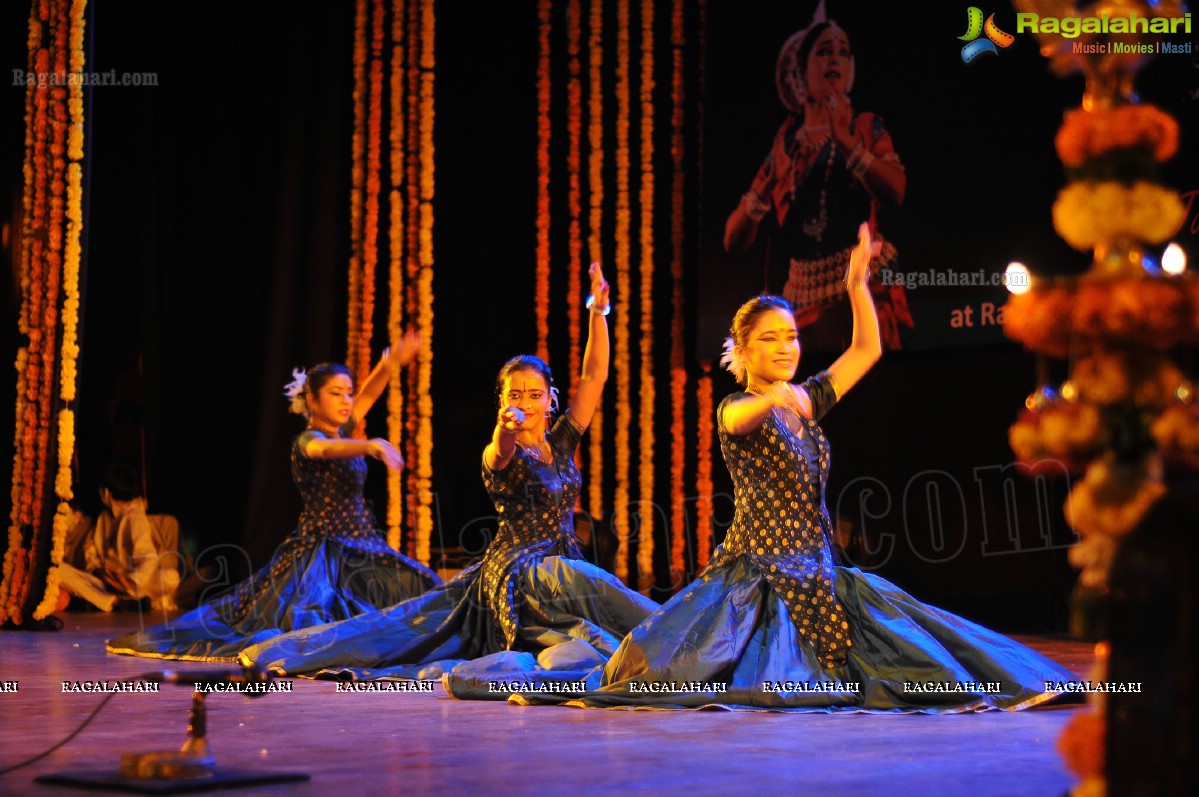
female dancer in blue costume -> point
(532, 603)
(773, 622)
(337, 563)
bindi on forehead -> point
(527, 383)
(774, 322)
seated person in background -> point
(127, 564)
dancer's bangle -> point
(862, 164)
(591, 305)
(755, 207)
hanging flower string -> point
(595, 219)
(15, 551)
(1088, 213)
(1085, 135)
(12, 582)
(52, 251)
(574, 128)
(357, 184)
(395, 268)
(69, 353)
(48, 269)
(411, 298)
(541, 302)
(678, 369)
(646, 394)
(703, 477)
(43, 315)
(621, 360)
(424, 459)
(370, 247)
(1126, 411)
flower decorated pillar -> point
(50, 260)
(1124, 422)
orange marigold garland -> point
(370, 225)
(1058, 317)
(1113, 153)
(412, 257)
(357, 183)
(67, 240)
(395, 268)
(1082, 744)
(12, 579)
(544, 133)
(53, 252)
(14, 549)
(1089, 134)
(424, 439)
(75, 90)
(646, 393)
(48, 269)
(621, 353)
(1125, 400)
(574, 128)
(69, 353)
(703, 478)
(1090, 213)
(595, 218)
(678, 370)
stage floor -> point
(416, 744)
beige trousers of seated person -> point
(142, 548)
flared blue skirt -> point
(308, 582)
(572, 617)
(727, 641)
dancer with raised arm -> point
(337, 563)
(532, 606)
(774, 621)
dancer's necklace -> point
(538, 450)
(788, 416)
(815, 227)
(321, 426)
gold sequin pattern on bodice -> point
(534, 502)
(334, 509)
(781, 524)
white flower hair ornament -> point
(732, 361)
(553, 399)
(294, 391)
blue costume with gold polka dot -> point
(781, 525)
(532, 602)
(335, 565)
(774, 622)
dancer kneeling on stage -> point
(337, 563)
(773, 621)
(532, 604)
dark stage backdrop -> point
(218, 240)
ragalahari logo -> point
(975, 27)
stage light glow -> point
(1174, 260)
(1017, 277)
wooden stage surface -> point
(417, 744)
